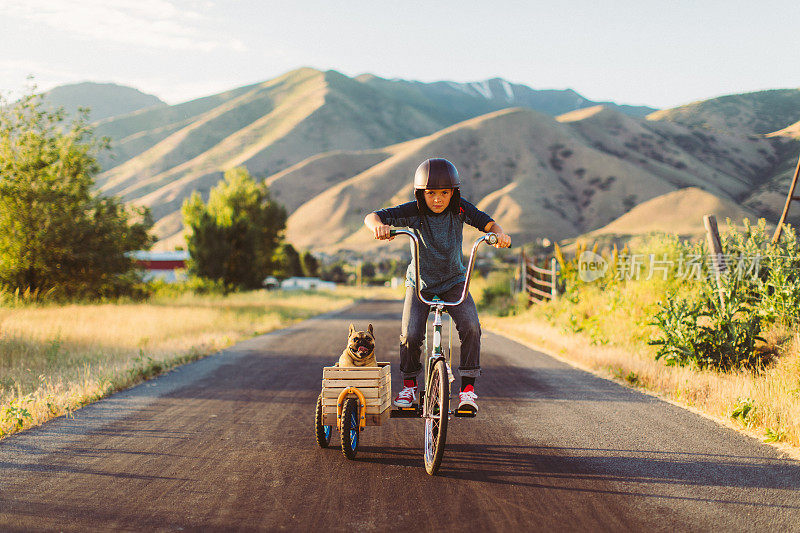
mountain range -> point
(543, 163)
(103, 99)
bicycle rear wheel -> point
(323, 433)
(437, 406)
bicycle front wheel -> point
(437, 405)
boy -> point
(437, 217)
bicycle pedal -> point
(465, 413)
(405, 412)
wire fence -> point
(538, 278)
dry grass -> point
(765, 405)
(54, 359)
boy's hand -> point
(503, 240)
(382, 232)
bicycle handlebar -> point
(490, 239)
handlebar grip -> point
(491, 239)
(393, 232)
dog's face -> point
(360, 344)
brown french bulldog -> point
(360, 349)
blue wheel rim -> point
(353, 432)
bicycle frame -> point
(438, 305)
(436, 352)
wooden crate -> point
(375, 383)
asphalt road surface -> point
(227, 443)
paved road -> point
(227, 443)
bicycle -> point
(435, 397)
(343, 404)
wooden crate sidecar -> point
(374, 383)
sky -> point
(659, 53)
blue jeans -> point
(412, 333)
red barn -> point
(169, 266)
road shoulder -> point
(610, 363)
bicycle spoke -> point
(436, 406)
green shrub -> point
(707, 333)
(771, 272)
(760, 286)
(677, 320)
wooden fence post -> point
(789, 199)
(715, 246)
(554, 271)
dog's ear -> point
(370, 330)
(352, 329)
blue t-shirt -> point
(441, 262)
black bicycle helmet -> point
(436, 173)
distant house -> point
(271, 282)
(168, 266)
(297, 283)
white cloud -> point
(158, 24)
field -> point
(765, 405)
(607, 327)
(54, 359)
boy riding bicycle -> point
(437, 217)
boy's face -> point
(437, 200)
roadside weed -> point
(744, 411)
(16, 414)
(775, 434)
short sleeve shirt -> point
(441, 236)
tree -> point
(288, 262)
(367, 270)
(56, 235)
(335, 272)
(234, 237)
(310, 264)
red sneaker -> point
(466, 399)
(406, 397)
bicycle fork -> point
(436, 354)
